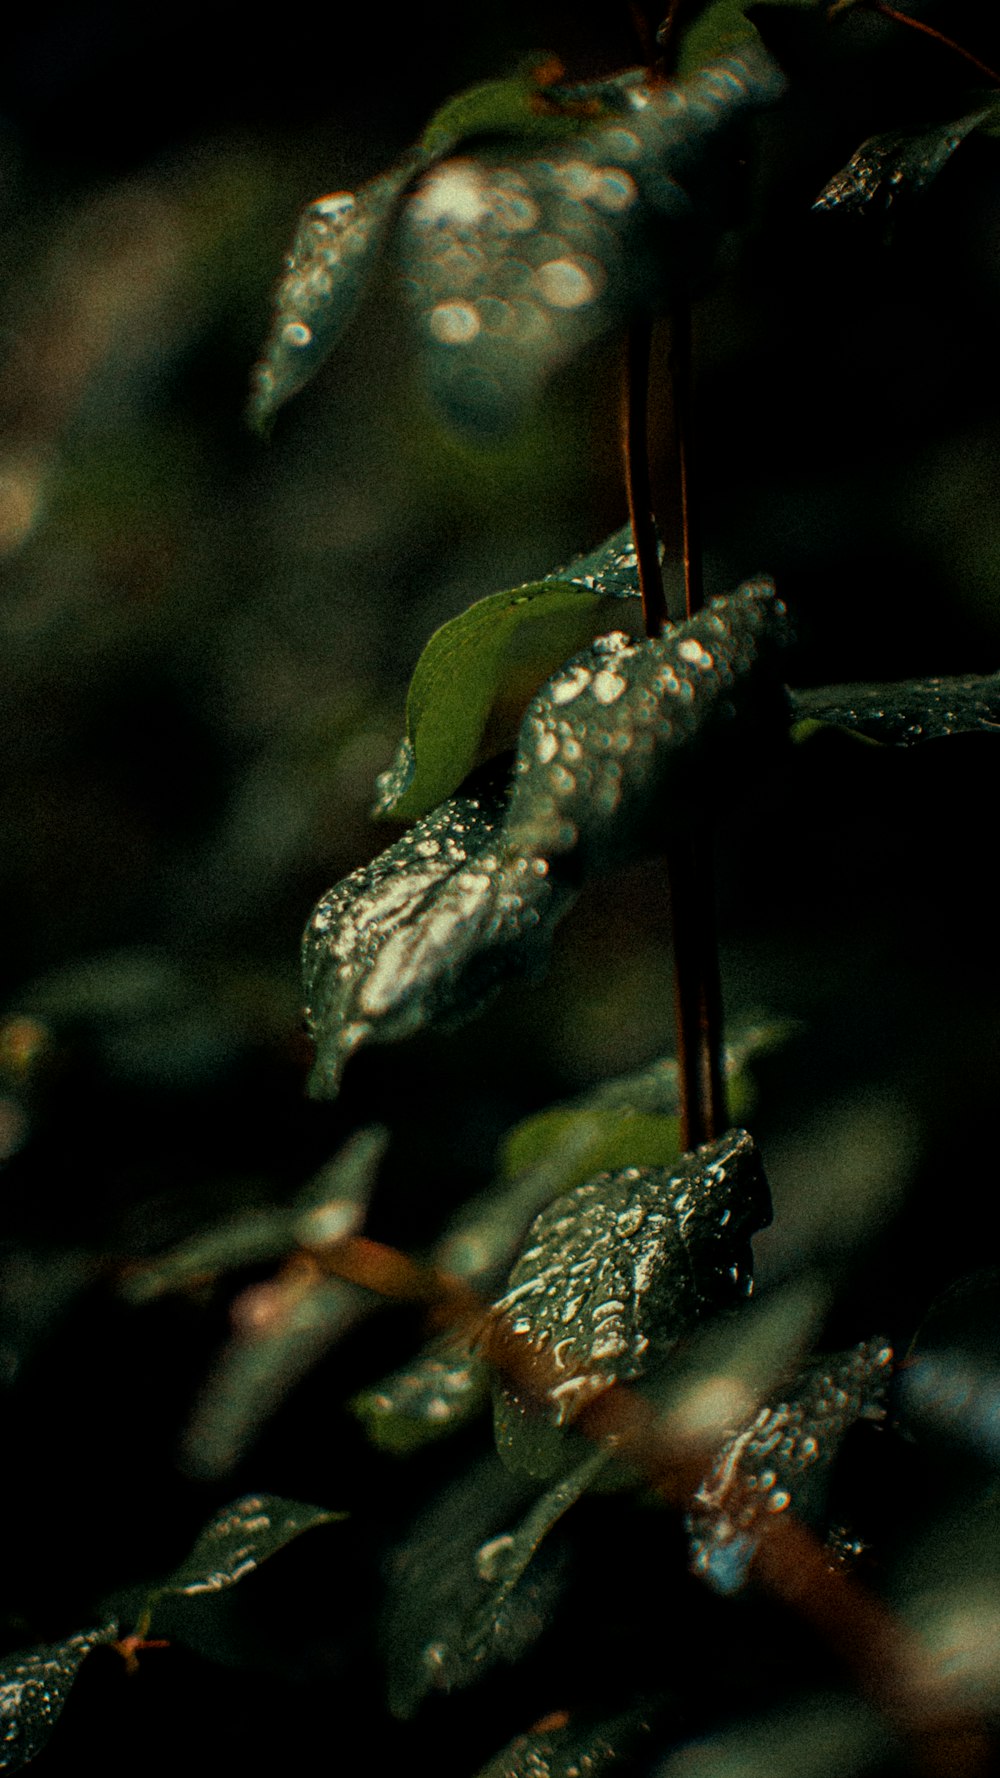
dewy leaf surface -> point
(605, 741)
(439, 1390)
(895, 165)
(569, 1749)
(243, 1536)
(34, 1686)
(478, 671)
(422, 934)
(901, 715)
(760, 1469)
(516, 256)
(611, 1275)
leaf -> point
(334, 253)
(437, 1392)
(515, 264)
(810, 1737)
(467, 1589)
(477, 672)
(565, 1748)
(516, 258)
(900, 715)
(611, 737)
(723, 27)
(282, 1328)
(231, 1546)
(592, 1141)
(612, 1274)
(34, 1686)
(422, 935)
(896, 165)
(331, 1206)
(759, 1469)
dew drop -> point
(296, 333)
(607, 686)
(564, 284)
(491, 1557)
(454, 323)
(336, 207)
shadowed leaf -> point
(438, 1391)
(331, 1206)
(900, 715)
(612, 1274)
(468, 1589)
(606, 742)
(476, 674)
(34, 1686)
(760, 1470)
(894, 166)
(422, 935)
(804, 1738)
(243, 1536)
(723, 28)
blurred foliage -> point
(206, 645)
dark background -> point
(206, 643)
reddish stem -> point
(903, 18)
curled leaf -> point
(614, 731)
(34, 1686)
(900, 715)
(760, 1469)
(423, 934)
(612, 1274)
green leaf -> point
(654, 1089)
(235, 1543)
(902, 714)
(612, 1274)
(336, 247)
(476, 674)
(468, 1588)
(34, 1686)
(441, 1389)
(896, 165)
(422, 935)
(723, 27)
(605, 750)
(567, 1749)
(527, 105)
(331, 1206)
(812, 1737)
(760, 1468)
(282, 1328)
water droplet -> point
(453, 193)
(336, 207)
(576, 681)
(454, 323)
(491, 1558)
(547, 747)
(607, 686)
(614, 189)
(779, 1500)
(564, 284)
(296, 333)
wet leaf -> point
(440, 1390)
(331, 1206)
(34, 1686)
(612, 1274)
(243, 1536)
(564, 1748)
(517, 257)
(723, 27)
(468, 1587)
(889, 168)
(605, 750)
(422, 935)
(902, 714)
(514, 265)
(336, 247)
(761, 1468)
(281, 1329)
(476, 674)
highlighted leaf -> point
(613, 734)
(895, 166)
(243, 1536)
(423, 934)
(440, 1390)
(334, 253)
(468, 1588)
(34, 1686)
(516, 258)
(901, 715)
(612, 1274)
(760, 1469)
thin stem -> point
(681, 355)
(698, 990)
(904, 18)
(637, 478)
